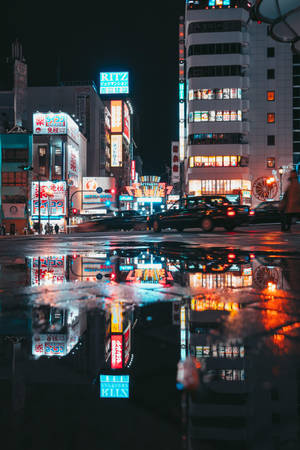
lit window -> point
(212, 116)
(204, 116)
(233, 115)
(219, 94)
(226, 94)
(191, 161)
(211, 94)
(191, 94)
(219, 161)
(239, 115)
(270, 163)
(233, 93)
(226, 116)
(219, 116)
(191, 117)
(270, 96)
(226, 161)
(233, 160)
(204, 94)
(197, 116)
(204, 161)
(271, 117)
(212, 161)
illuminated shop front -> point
(206, 187)
(150, 194)
(59, 161)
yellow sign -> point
(116, 318)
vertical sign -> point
(116, 318)
(132, 170)
(116, 116)
(127, 344)
(116, 351)
(175, 162)
(116, 150)
(126, 130)
(181, 90)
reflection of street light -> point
(280, 171)
(270, 180)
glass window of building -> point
(271, 140)
(271, 74)
(270, 96)
(271, 117)
(270, 52)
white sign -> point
(55, 123)
(52, 198)
(73, 164)
(116, 150)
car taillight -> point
(251, 212)
(231, 256)
(230, 212)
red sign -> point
(132, 170)
(126, 130)
(127, 345)
(116, 351)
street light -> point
(280, 171)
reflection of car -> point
(266, 212)
(125, 220)
(199, 212)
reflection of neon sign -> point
(47, 270)
(116, 351)
(113, 386)
(116, 318)
(154, 276)
(209, 304)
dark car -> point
(125, 220)
(196, 212)
(266, 212)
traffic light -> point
(74, 211)
(110, 191)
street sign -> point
(99, 190)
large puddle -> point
(159, 346)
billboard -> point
(175, 162)
(113, 386)
(55, 123)
(54, 205)
(73, 164)
(116, 351)
(116, 116)
(49, 345)
(116, 150)
(126, 130)
(91, 199)
(47, 270)
(114, 82)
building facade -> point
(239, 104)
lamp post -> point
(280, 171)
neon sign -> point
(113, 386)
(116, 351)
(114, 82)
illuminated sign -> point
(113, 386)
(209, 304)
(151, 190)
(116, 116)
(127, 344)
(73, 164)
(132, 170)
(92, 199)
(125, 198)
(126, 130)
(218, 3)
(52, 206)
(116, 318)
(114, 82)
(116, 351)
(116, 150)
(149, 276)
(126, 268)
(149, 199)
(55, 123)
(49, 345)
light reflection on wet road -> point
(92, 329)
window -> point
(215, 138)
(270, 52)
(215, 27)
(215, 71)
(15, 154)
(212, 116)
(270, 163)
(215, 161)
(215, 94)
(14, 178)
(42, 152)
(271, 74)
(271, 140)
(270, 96)
(271, 117)
(214, 49)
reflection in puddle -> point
(114, 319)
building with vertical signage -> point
(239, 103)
(59, 163)
(15, 154)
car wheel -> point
(156, 226)
(229, 227)
(207, 224)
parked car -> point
(266, 212)
(199, 212)
(125, 220)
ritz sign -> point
(114, 82)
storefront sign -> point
(116, 150)
(73, 164)
(116, 116)
(126, 130)
(116, 351)
(55, 123)
(53, 205)
(114, 82)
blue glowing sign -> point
(126, 268)
(219, 3)
(181, 91)
(114, 82)
(114, 386)
(125, 198)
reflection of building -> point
(239, 106)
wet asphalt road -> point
(259, 237)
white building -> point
(239, 104)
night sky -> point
(141, 37)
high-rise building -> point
(239, 103)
